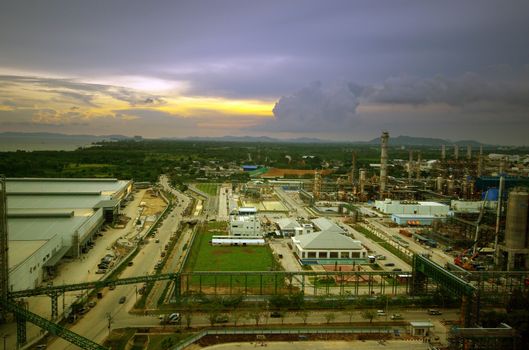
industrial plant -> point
(447, 236)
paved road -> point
(94, 324)
(295, 208)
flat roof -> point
(58, 185)
(53, 201)
(21, 250)
(421, 324)
(41, 228)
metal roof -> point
(326, 225)
(35, 229)
(287, 223)
(327, 240)
(57, 185)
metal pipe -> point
(498, 216)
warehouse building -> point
(329, 244)
(49, 219)
(319, 247)
(389, 206)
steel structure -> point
(307, 282)
(23, 315)
(4, 264)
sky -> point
(337, 70)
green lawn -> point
(209, 188)
(206, 257)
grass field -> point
(206, 257)
(209, 188)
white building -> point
(326, 225)
(290, 227)
(328, 245)
(389, 206)
(245, 223)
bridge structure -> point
(424, 275)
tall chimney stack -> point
(443, 153)
(383, 163)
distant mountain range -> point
(393, 141)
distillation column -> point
(383, 163)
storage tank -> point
(450, 187)
(516, 220)
(439, 184)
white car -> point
(381, 313)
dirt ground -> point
(154, 205)
(330, 341)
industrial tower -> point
(383, 163)
(4, 268)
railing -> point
(269, 331)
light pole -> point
(5, 337)
(136, 286)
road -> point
(295, 208)
(94, 324)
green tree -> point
(369, 315)
(329, 317)
(304, 315)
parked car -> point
(397, 317)
(130, 263)
(122, 299)
(157, 240)
(111, 287)
(397, 269)
(381, 313)
(389, 264)
(434, 312)
(101, 271)
(275, 314)
(91, 304)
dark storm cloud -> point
(460, 91)
(242, 48)
(472, 98)
(405, 52)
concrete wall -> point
(29, 273)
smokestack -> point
(439, 185)
(443, 152)
(383, 163)
(362, 181)
(480, 161)
(410, 166)
(456, 152)
(469, 152)
(353, 169)
(418, 165)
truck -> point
(173, 318)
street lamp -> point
(5, 337)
